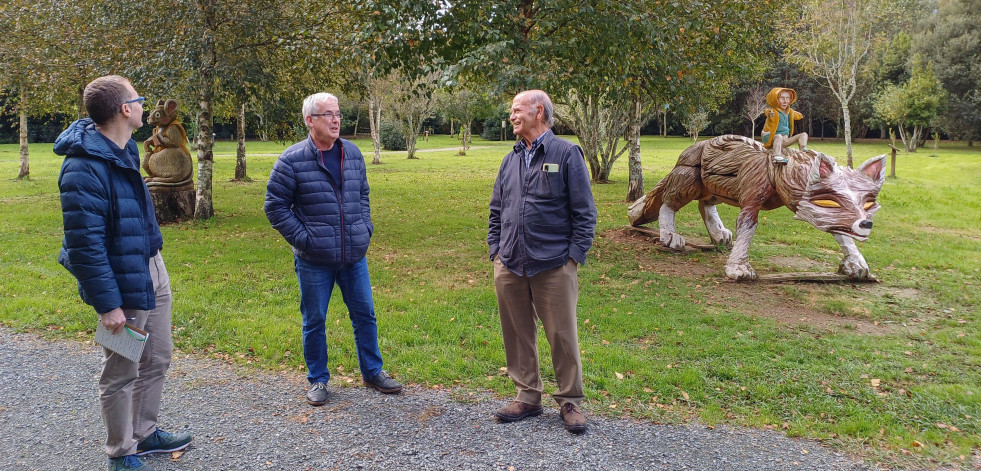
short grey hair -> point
(539, 97)
(310, 103)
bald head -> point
(538, 97)
(531, 115)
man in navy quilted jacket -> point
(112, 247)
(317, 198)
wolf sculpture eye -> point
(869, 204)
(828, 204)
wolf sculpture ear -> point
(874, 168)
(821, 168)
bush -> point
(492, 130)
(391, 136)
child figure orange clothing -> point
(778, 131)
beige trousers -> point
(130, 392)
(551, 296)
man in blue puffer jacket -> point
(317, 198)
(112, 247)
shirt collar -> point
(519, 147)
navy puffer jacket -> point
(110, 230)
(323, 226)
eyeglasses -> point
(328, 115)
(139, 99)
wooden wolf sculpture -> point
(739, 171)
(167, 162)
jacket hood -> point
(771, 98)
(82, 138)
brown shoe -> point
(516, 411)
(575, 421)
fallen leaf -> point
(875, 382)
(684, 395)
(619, 375)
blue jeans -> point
(316, 284)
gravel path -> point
(247, 420)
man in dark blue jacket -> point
(317, 198)
(112, 247)
(542, 219)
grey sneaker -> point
(384, 383)
(124, 463)
(317, 395)
(163, 442)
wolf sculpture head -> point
(840, 200)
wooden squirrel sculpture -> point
(168, 161)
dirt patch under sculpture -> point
(745, 297)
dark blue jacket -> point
(324, 226)
(110, 229)
(543, 215)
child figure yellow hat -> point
(774, 95)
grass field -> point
(890, 372)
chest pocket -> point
(546, 181)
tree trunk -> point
(262, 126)
(635, 189)
(25, 167)
(204, 206)
(82, 112)
(411, 132)
(465, 137)
(902, 135)
(241, 174)
(357, 119)
(914, 141)
(848, 132)
(374, 124)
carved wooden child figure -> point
(168, 161)
(778, 131)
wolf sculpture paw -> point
(724, 237)
(854, 267)
(672, 240)
(740, 272)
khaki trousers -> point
(551, 296)
(130, 392)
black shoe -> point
(384, 383)
(317, 395)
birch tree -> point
(754, 106)
(832, 42)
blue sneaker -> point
(124, 463)
(163, 442)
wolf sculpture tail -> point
(646, 209)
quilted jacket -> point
(110, 229)
(322, 225)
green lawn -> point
(892, 372)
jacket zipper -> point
(340, 199)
